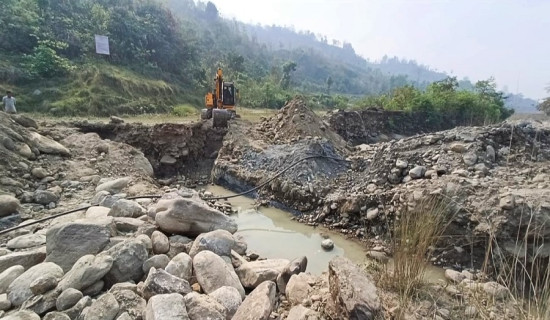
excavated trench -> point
(176, 151)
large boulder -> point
(68, 242)
(26, 259)
(201, 307)
(218, 241)
(88, 270)
(295, 266)
(353, 292)
(19, 290)
(166, 307)
(128, 257)
(47, 145)
(7, 277)
(213, 272)
(181, 266)
(104, 308)
(253, 273)
(228, 297)
(259, 304)
(161, 282)
(190, 216)
(126, 208)
(8, 205)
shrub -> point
(184, 110)
(45, 62)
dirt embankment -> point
(376, 125)
(492, 176)
(185, 151)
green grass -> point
(97, 89)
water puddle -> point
(271, 233)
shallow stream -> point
(271, 233)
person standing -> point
(9, 102)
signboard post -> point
(102, 45)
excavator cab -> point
(220, 103)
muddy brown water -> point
(271, 233)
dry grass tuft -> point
(415, 235)
(526, 272)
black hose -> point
(66, 213)
(2, 232)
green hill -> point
(165, 53)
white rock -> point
(401, 164)
(213, 272)
(114, 186)
(68, 298)
(417, 172)
(372, 213)
(8, 205)
(253, 273)
(104, 308)
(298, 288)
(7, 277)
(166, 307)
(19, 290)
(221, 242)
(228, 297)
(204, 307)
(26, 241)
(161, 244)
(181, 266)
(259, 303)
(327, 244)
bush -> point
(184, 110)
(45, 62)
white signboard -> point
(102, 45)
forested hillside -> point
(164, 53)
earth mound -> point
(296, 121)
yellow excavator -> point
(220, 104)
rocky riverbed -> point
(177, 256)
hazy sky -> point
(507, 39)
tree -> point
(544, 106)
(211, 11)
(288, 68)
(329, 84)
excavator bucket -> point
(220, 118)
